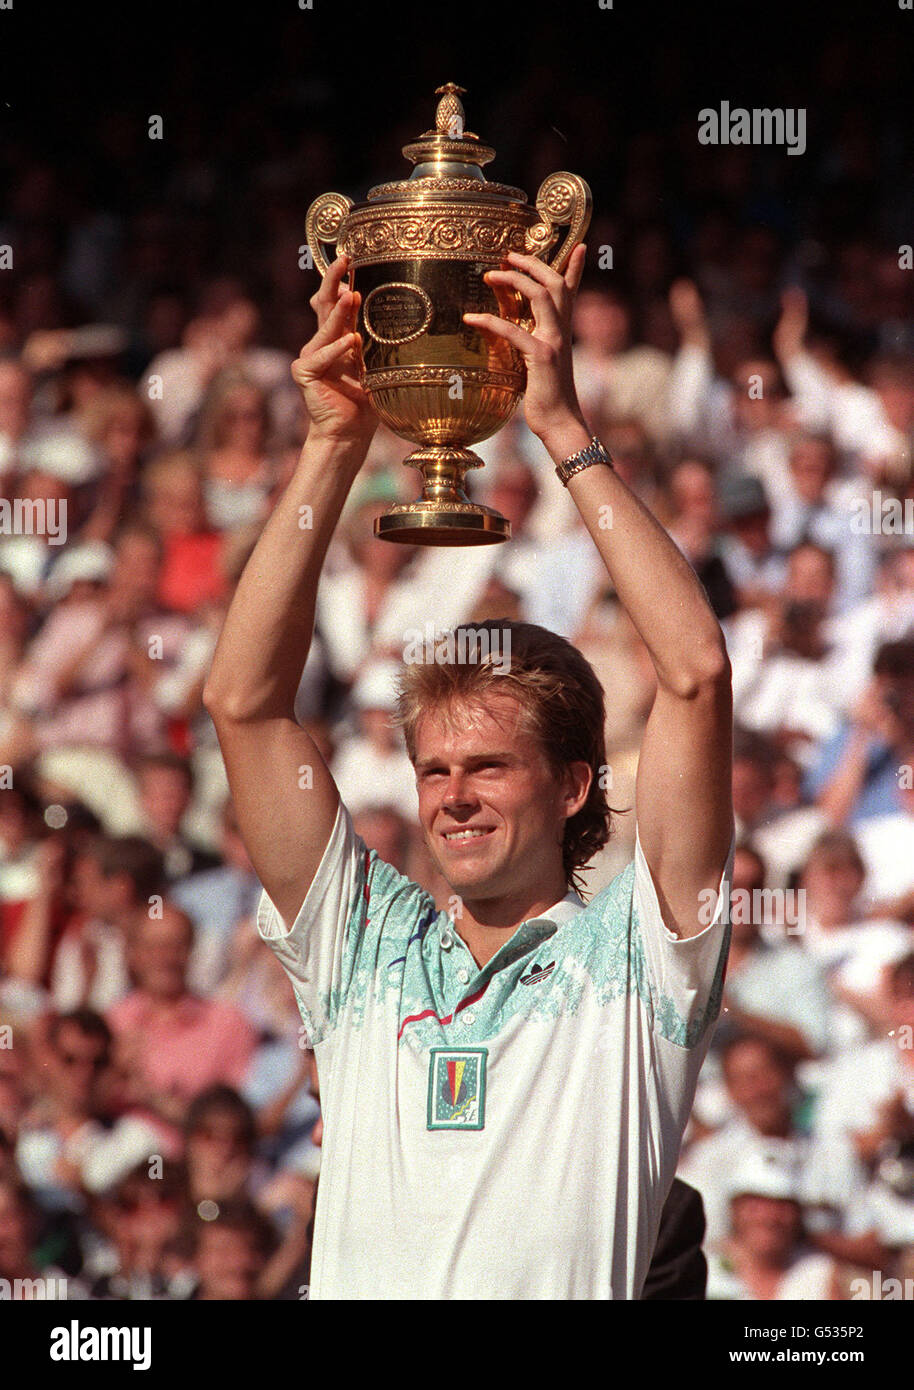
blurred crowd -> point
(749, 361)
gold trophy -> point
(419, 250)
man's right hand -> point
(329, 366)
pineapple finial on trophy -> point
(450, 116)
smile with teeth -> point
(466, 834)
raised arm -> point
(683, 791)
(284, 796)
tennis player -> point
(504, 1085)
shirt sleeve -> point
(685, 974)
(355, 902)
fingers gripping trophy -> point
(420, 251)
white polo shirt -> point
(504, 1132)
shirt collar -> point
(533, 932)
(563, 910)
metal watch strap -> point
(584, 458)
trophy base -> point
(444, 515)
(431, 523)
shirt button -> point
(463, 976)
(469, 1018)
(447, 941)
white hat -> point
(761, 1173)
(64, 453)
(91, 560)
(376, 687)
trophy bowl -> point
(419, 249)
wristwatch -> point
(584, 458)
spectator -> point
(854, 950)
(140, 1219)
(166, 788)
(231, 1254)
(761, 1088)
(765, 1256)
(113, 878)
(70, 1142)
(219, 900)
(741, 423)
(886, 845)
(120, 425)
(694, 525)
(88, 674)
(193, 554)
(863, 1128)
(773, 989)
(372, 765)
(222, 1171)
(812, 508)
(614, 375)
(172, 1043)
(22, 1268)
(855, 774)
(232, 439)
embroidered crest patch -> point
(457, 1088)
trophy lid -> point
(449, 149)
(447, 159)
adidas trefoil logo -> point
(538, 973)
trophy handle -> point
(324, 223)
(563, 200)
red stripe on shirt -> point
(448, 1018)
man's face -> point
(491, 808)
(142, 1232)
(832, 882)
(78, 1062)
(219, 1139)
(164, 796)
(693, 492)
(767, 1226)
(757, 1086)
(809, 576)
(98, 895)
(243, 419)
(160, 955)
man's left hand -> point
(551, 401)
